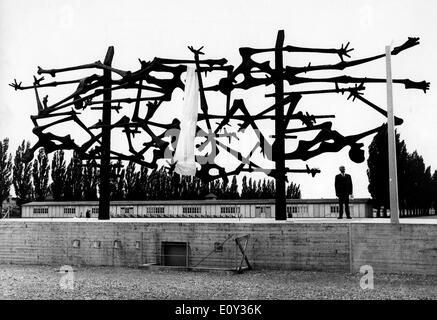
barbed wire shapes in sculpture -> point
(156, 81)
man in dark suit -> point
(343, 189)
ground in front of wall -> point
(45, 282)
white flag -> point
(184, 154)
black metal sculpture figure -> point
(95, 93)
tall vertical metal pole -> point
(279, 144)
(393, 176)
(106, 140)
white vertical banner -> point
(392, 167)
(184, 154)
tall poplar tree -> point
(5, 171)
(22, 175)
(130, 183)
(90, 181)
(233, 190)
(40, 175)
(58, 175)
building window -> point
(335, 209)
(289, 214)
(41, 210)
(127, 210)
(95, 210)
(233, 210)
(69, 210)
(303, 209)
(154, 210)
(189, 210)
(263, 209)
(297, 209)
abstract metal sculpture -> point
(94, 92)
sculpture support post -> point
(279, 144)
(106, 140)
(393, 178)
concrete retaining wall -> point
(403, 248)
(325, 246)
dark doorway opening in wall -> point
(174, 254)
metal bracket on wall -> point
(239, 242)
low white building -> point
(262, 208)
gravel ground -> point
(43, 282)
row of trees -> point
(417, 187)
(77, 181)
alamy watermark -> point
(67, 280)
(366, 281)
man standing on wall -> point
(343, 188)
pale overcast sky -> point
(54, 34)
